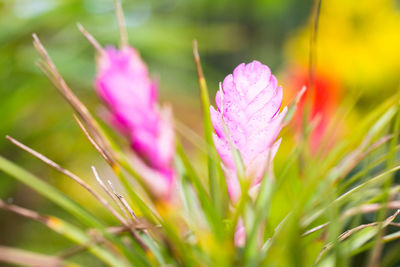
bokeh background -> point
(357, 55)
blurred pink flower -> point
(248, 105)
(124, 85)
(240, 234)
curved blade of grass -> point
(28, 258)
(340, 171)
(80, 237)
(341, 168)
(387, 238)
(368, 127)
(145, 209)
(67, 230)
(360, 240)
(59, 199)
(47, 191)
(120, 161)
(349, 181)
(121, 24)
(378, 246)
(261, 210)
(293, 106)
(205, 201)
(69, 174)
(217, 184)
(344, 197)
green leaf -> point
(59, 199)
(217, 183)
(48, 191)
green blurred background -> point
(357, 49)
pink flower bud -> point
(124, 85)
(248, 105)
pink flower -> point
(248, 105)
(124, 85)
(240, 234)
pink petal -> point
(216, 122)
(224, 151)
(263, 97)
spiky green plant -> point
(309, 214)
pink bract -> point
(124, 85)
(248, 104)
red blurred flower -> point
(323, 96)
